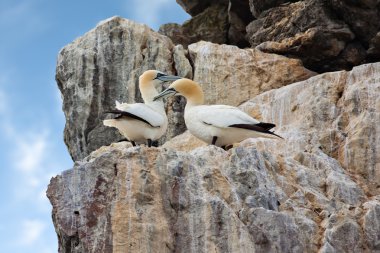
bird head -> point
(151, 81)
(156, 76)
(191, 90)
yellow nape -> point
(191, 90)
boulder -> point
(325, 35)
(151, 199)
(103, 66)
(362, 16)
(222, 69)
(306, 30)
(222, 22)
(210, 25)
(194, 7)
(258, 6)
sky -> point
(31, 119)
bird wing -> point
(141, 112)
(224, 116)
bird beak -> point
(166, 93)
(167, 78)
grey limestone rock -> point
(315, 191)
(104, 65)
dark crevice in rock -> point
(174, 67)
(71, 242)
(191, 61)
(91, 121)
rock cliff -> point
(326, 35)
(316, 191)
(104, 65)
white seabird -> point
(220, 125)
(141, 122)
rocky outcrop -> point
(104, 66)
(316, 191)
(325, 35)
(222, 22)
(289, 30)
(222, 69)
(259, 6)
(341, 111)
(210, 25)
(195, 7)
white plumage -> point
(141, 122)
(221, 125)
(153, 113)
(223, 115)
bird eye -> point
(159, 75)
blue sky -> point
(31, 119)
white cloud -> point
(27, 147)
(30, 151)
(149, 11)
(32, 159)
(31, 231)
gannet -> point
(220, 125)
(141, 122)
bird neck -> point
(147, 90)
(196, 97)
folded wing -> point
(139, 111)
(224, 116)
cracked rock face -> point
(222, 22)
(194, 7)
(325, 35)
(210, 25)
(316, 191)
(222, 69)
(104, 65)
(290, 30)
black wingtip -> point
(257, 128)
(266, 126)
(122, 114)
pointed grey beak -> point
(167, 78)
(166, 93)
